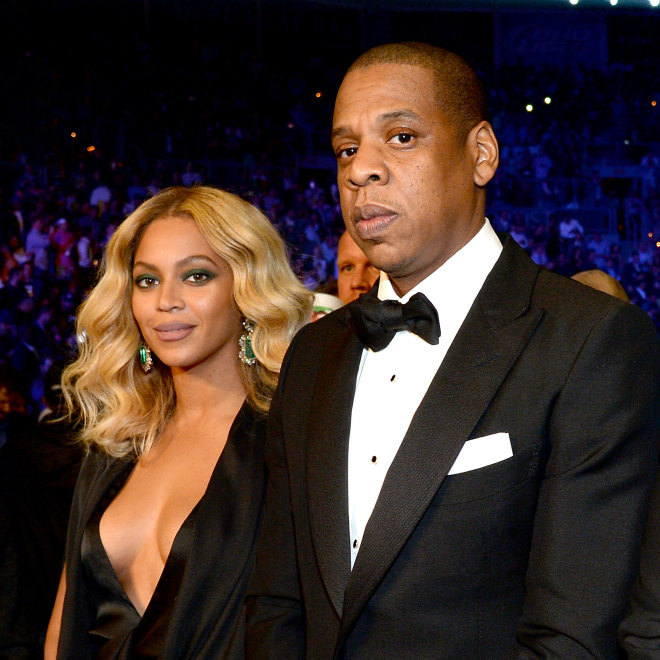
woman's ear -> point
(487, 153)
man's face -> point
(406, 183)
(355, 274)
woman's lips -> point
(173, 331)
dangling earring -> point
(246, 354)
(144, 357)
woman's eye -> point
(198, 277)
(145, 281)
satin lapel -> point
(496, 330)
(327, 461)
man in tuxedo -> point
(466, 474)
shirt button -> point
(393, 378)
(355, 543)
(374, 459)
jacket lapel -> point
(106, 470)
(327, 460)
(495, 331)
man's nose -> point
(367, 166)
(359, 281)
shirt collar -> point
(453, 286)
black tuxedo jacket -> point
(533, 556)
(639, 633)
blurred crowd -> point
(578, 185)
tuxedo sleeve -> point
(275, 620)
(593, 500)
(639, 634)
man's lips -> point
(371, 219)
(173, 331)
(370, 211)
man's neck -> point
(403, 284)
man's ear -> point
(487, 152)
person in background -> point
(601, 281)
(37, 243)
(324, 303)
(63, 243)
(181, 342)
(38, 468)
(355, 274)
(20, 631)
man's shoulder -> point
(570, 296)
(571, 306)
(567, 305)
(314, 338)
(325, 328)
(317, 347)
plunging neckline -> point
(179, 538)
(179, 544)
(121, 632)
(196, 609)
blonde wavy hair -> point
(122, 410)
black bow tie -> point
(377, 321)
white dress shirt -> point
(391, 383)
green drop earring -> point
(145, 358)
(245, 353)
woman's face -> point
(182, 297)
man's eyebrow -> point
(398, 114)
(340, 131)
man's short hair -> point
(459, 92)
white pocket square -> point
(481, 452)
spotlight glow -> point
(547, 100)
(73, 134)
(91, 148)
(614, 3)
(574, 2)
(529, 107)
(654, 3)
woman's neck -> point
(208, 391)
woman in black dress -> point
(180, 345)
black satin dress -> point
(118, 629)
(197, 609)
